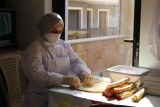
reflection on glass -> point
(96, 18)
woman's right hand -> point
(71, 80)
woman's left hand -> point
(86, 78)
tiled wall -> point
(100, 55)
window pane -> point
(97, 18)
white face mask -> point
(52, 38)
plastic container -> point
(134, 73)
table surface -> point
(149, 100)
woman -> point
(48, 60)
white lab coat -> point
(45, 64)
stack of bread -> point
(152, 84)
(123, 89)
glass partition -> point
(99, 18)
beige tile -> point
(74, 46)
(80, 47)
(93, 54)
(105, 61)
(91, 45)
(82, 55)
(93, 66)
(86, 45)
(100, 55)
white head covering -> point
(48, 21)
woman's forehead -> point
(59, 26)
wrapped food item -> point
(126, 94)
(110, 91)
(120, 89)
(138, 95)
(118, 83)
(117, 91)
(124, 88)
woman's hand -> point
(86, 78)
(71, 80)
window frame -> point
(91, 10)
(81, 14)
(103, 10)
(86, 39)
(63, 11)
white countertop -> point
(146, 101)
(149, 100)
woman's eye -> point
(56, 32)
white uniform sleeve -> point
(32, 65)
(77, 64)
